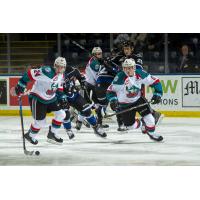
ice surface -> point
(181, 146)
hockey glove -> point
(20, 88)
(63, 102)
(155, 99)
(114, 105)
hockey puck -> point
(37, 153)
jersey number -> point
(37, 72)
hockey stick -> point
(26, 152)
(84, 49)
(127, 110)
(80, 46)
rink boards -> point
(180, 96)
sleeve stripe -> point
(29, 75)
(60, 89)
(156, 81)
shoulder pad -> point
(119, 78)
(48, 71)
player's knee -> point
(60, 115)
(86, 111)
(39, 123)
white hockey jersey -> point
(91, 72)
(128, 89)
(47, 82)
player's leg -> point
(129, 119)
(88, 92)
(120, 123)
(85, 111)
(148, 120)
(38, 113)
(67, 125)
(100, 92)
(57, 121)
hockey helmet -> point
(129, 63)
(60, 62)
(96, 50)
(127, 44)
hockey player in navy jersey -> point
(78, 102)
(45, 96)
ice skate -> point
(122, 128)
(32, 140)
(53, 138)
(99, 131)
(154, 136)
(70, 133)
(78, 125)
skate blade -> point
(53, 142)
(100, 136)
(71, 138)
(155, 139)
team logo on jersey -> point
(131, 91)
(53, 89)
(47, 69)
(116, 78)
(96, 67)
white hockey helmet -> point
(96, 50)
(60, 61)
(129, 63)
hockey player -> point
(125, 92)
(128, 52)
(92, 70)
(43, 99)
(104, 78)
(78, 102)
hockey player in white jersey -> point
(45, 97)
(125, 92)
(92, 70)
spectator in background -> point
(140, 42)
(122, 37)
(155, 42)
(185, 63)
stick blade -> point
(29, 153)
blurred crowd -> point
(183, 49)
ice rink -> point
(181, 146)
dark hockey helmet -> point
(127, 44)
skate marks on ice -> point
(180, 146)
